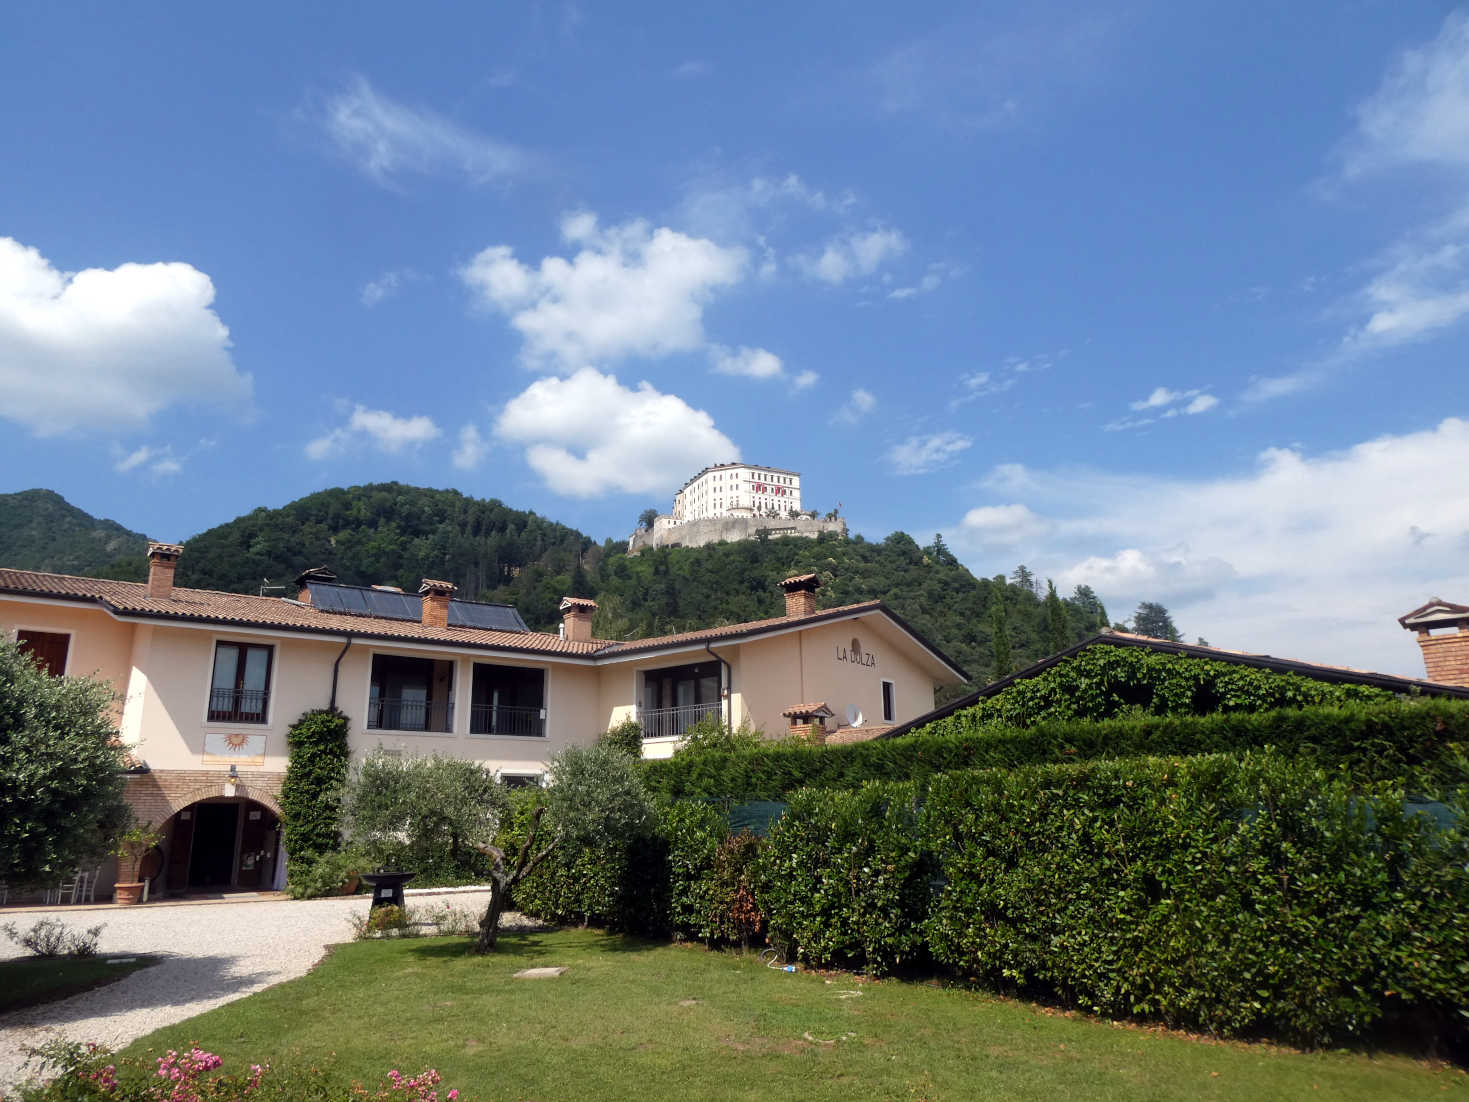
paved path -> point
(213, 953)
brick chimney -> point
(808, 722)
(436, 596)
(306, 577)
(800, 593)
(576, 618)
(1445, 654)
(162, 559)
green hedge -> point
(1252, 895)
(844, 878)
(1103, 682)
(1408, 740)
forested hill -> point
(393, 534)
(41, 530)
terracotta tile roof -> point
(751, 627)
(816, 708)
(433, 585)
(866, 733)
(1445, 610)
(212, 606)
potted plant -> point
(132, 846)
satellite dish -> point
(854, 716)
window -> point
(239, 691)
(889, 705)
(677, 696)
(520, 780)
(508, 700)
(47, 649)
(411, 694)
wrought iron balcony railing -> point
(489, 719)
(673, 722)
(238, 705)
(396, 714)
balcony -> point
(486, 719)
(398, 714)
(673, 722)
(238, 705)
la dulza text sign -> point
(854, 653)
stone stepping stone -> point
(539, 973)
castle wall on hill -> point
(697, 533)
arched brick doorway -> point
(223, 843)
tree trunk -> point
(489, 923)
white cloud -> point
(1308, 556)
(756, 363)
(472, 448)
(1420, 112)
(932, 279)
(387, 285)
(1164, 403)
(1418, 118)
(588, 435)
(629, 290)
(387, 140)
(853, 254)
(692, 68)
(1000, 525)
(750, 210)
(855, 408)
(108, 348)
(924, 453)
(159, 461)
(385, 431)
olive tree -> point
(594, 792)
(61, 771)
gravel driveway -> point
(213, 953)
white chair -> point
(92, 877)
(67, 891)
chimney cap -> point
(798, 582)
(158, 550)
(315, 574)
(1436, 612)
(807, 711)
(435, 587)
(578, 604)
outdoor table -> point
(387, 887)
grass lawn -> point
(30, 981)
(647, 1021)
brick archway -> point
(220, 789)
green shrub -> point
(326, 874)
(1103, 682)
(424, 815)
(735, 915)
(712, 734)
(316, 775)
(626, 736)
(1408, 741)
(693, 833)
(843, 877)
(1241, 896)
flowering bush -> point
(90, 1073)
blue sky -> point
(1166, 298)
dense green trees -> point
(61, 784)
(389, 533)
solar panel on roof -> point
(393, 606)
(472, 614)
(337, 598)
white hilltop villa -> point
(735, 501)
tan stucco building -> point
(208, 684)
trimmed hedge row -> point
(1244, 896)
(1407, 740)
